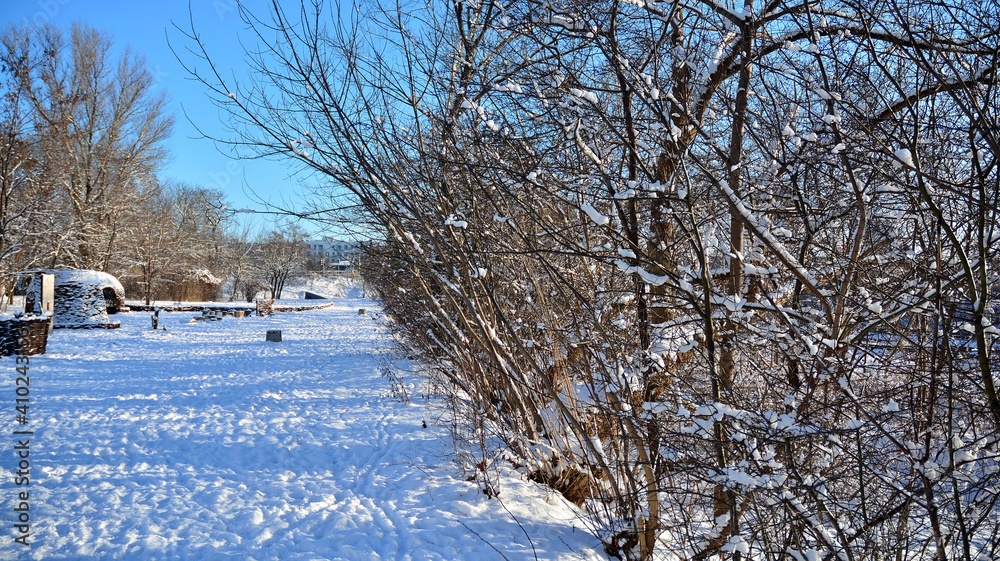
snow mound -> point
(331, 287)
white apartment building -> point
(333, 252)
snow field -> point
(206, 442)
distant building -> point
(331, 254)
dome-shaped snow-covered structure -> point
(83, 298)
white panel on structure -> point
(48, 293)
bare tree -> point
(98, 128)
(237, 260)
(175, 231)
(280, 255)
(20, 195)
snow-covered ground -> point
(206, 442)
(334, 286)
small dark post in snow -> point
(274, 335)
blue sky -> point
(145, 26)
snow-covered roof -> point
(203, 276)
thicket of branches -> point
(723, 274)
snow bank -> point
(331, 287)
